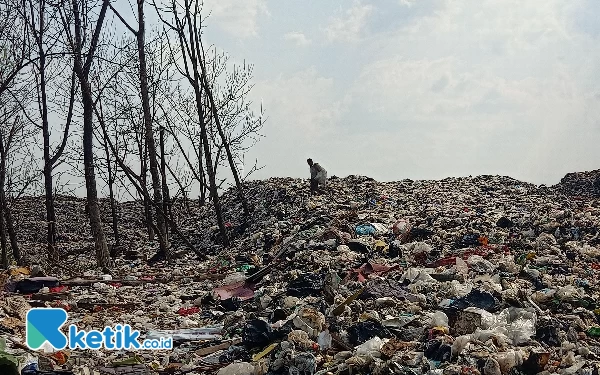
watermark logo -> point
(44, 325)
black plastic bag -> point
(437, 351)
(548, 334)
(468, 240)
(34, 284)
(476, 298)
(504, 222)
(306, 285)
(257, 333)
(364, 331)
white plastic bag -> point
(371, 347)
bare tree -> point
(112, 172)
(75, 19)
(142, 190)
(140, 35)
(184, 20)
(13, 136)
(43, 28)
(14, 43)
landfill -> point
(461, 276)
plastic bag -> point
(476, 298)
(459, 344)
(439, 319)
(365, 229)
(242, 368)
(567, 292)
(306, 285)
(460, 290)
(478, 264)
(324, 340)
(509, 359)
(461, 266)
(491, 367)
(257, 333)
(370, 347)
(363, 331)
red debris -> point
(58, 289)
(185, 312)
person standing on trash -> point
(318, 176)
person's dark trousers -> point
(314, 186)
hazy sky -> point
(419, 89)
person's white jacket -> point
(318, 174)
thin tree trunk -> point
(3, 242)
(12, 234)
(212, 186)
(145, 93)
(190, 48)
(48, 163)
(6, 221)
(111, 195)
(102, 253)
(202, 176)
(234, 171)
(194, 35)
(144, 177)
(165, 187)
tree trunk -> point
(111, 195)
(212, 184)
(48, 183)
(6, 221)
(234, 171)
(202, 177)
(49, 161)
(3, 242)
(12, 234)
(144, 178)
(145, 93)
(102, 254)
(194, 34)
(165, 187)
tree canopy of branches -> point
(157, 109)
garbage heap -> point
(476, 275)
(583, 184)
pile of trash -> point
(473, 275)
(584, 184)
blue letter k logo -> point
(43, 324)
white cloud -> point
(297, 37)
(458, 87)
(303, 117)
(349, 26)
(237, 18)
(304, 102)
(486, 87)
(408, 3)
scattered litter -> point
(463, 276)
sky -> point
(420, 89)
